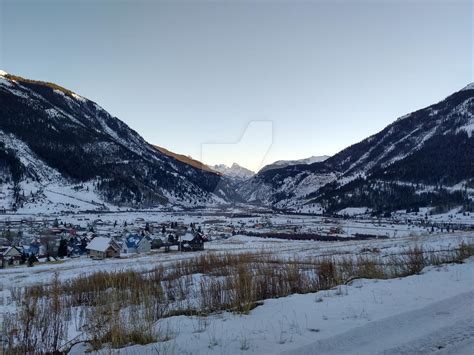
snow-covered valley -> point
(424, 312)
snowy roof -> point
(99, 244)
(187, 237)
(9, 250)
(133, 240)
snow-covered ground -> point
(428, 313)
(431, 312)
(70, 268)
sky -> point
(281, 79)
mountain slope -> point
(50, 135)
(185, 159)
(284, 163)
(432, 147)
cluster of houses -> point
(68, 241)
(100, 239)
(106, 247)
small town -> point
(100, 240)
(29, 241)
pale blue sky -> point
(184, 73)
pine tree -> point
(62, 251)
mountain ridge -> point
(423, 157)
(283, 163)
(82, 143)
(414, 139)
(187, 160)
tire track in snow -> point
(444, 327)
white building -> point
(101, 247)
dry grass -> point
(123, 307)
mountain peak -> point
(235, 171)
(25, 81)
(83, 145)
(469, 86)
(237, 166)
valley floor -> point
(71, 268)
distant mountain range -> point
(240, 173)
(423, 158)
(59, 150)
(235, 171)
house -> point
(188, 237)
(101, 247)
(9, 256)
(135, 243)
(192, 242)
(32, 249)
(35, 248)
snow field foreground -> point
(428, 313)
(248, 295)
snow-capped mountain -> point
(52, 139)
(424, 157)
(235, 171)
(283, 163)
(60, 150)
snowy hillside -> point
(426, 155)
(50, 136)
(284, 163)
(52, 139)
